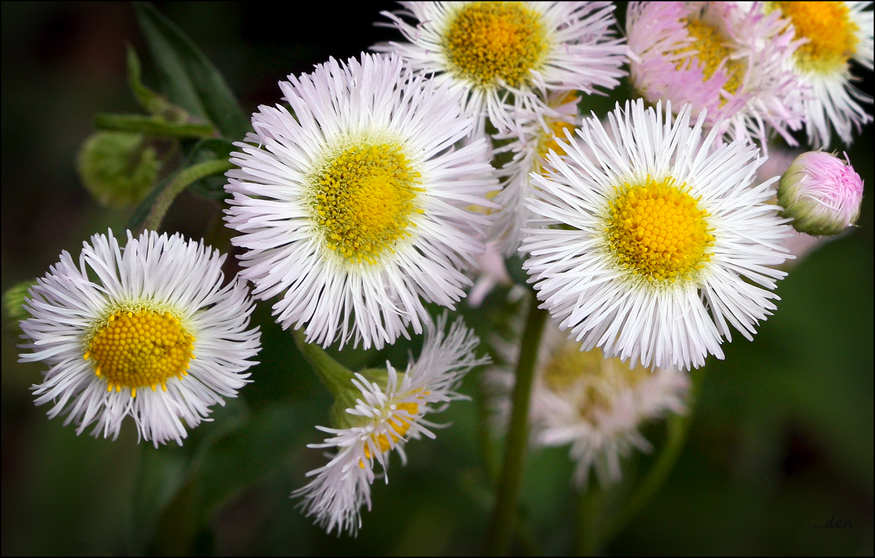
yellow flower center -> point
(591, 381)
(400, 425)
(140, 347)
(712, 49)
(831, 34)
(657, 231)
(363, 200)
(549, 140)
(490, 41)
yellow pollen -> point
(363, 200)
(489, 41)
(831, 34)
(140, 348)
(549, 139)
(657, 231)
(400, 426)
(712, 49)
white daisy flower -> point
(355, 205)
(722, 59)
(657, 241)
(595, 405)
(503, 53)
(834, 33)
(535, 136)
(389, 411)
(149, 331)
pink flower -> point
(727, 61)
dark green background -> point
(781, 444)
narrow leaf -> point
(151, 125)
(188, 77)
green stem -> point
(334, 375)
(590, 506)
(182, 181)
(678, 427)
(505, 514)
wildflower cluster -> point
(362, 202)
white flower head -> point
(149, 331)
(652, 241)
(534, 135)
(834, 34)
(503, 54)
(390, 410)
(723, 59)
(595, 405)
(354, 206)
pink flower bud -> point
(821, 193)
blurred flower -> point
(124, 323)
(821, 193)
(496, 51)
(725, 60)
(491, 271)
(593, 404)
(534, 136)
(389, 411)
(355, 204)
(653, 242)
(834, 33)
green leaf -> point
(188, 78)
(151, 125)
(246, 447)
(148, 99)
(162, 475)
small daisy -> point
(389, 410)
(654, 242)
(502, 53)
(724, 60)
(535, 135)
(354, 205)
(835, 33)
(595, 405)
(149, 331)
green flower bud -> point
(13, 303)
(118, 168)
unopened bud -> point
(821, 193)
(118, 168)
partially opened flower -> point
(835, 33)
(387, 410)
(503, 53)
(151, 331)
(721, 58)
(355, 207)
(534, 135)
(652, 242)
(821, 193)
